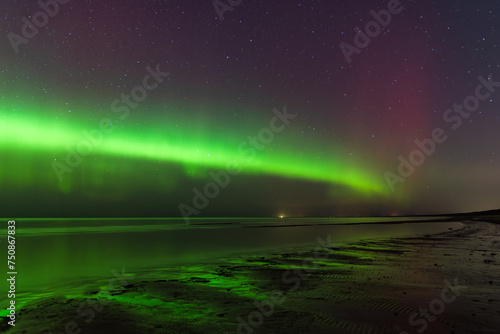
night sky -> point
(163, 108)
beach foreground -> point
(442, 283)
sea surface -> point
(53, 252)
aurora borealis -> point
(81, 85)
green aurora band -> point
(201, 144)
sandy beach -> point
(441, 283)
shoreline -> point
(50, 260)
(372, 285)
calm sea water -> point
(54, 252)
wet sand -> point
(441, 283)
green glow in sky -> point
(205, 145)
